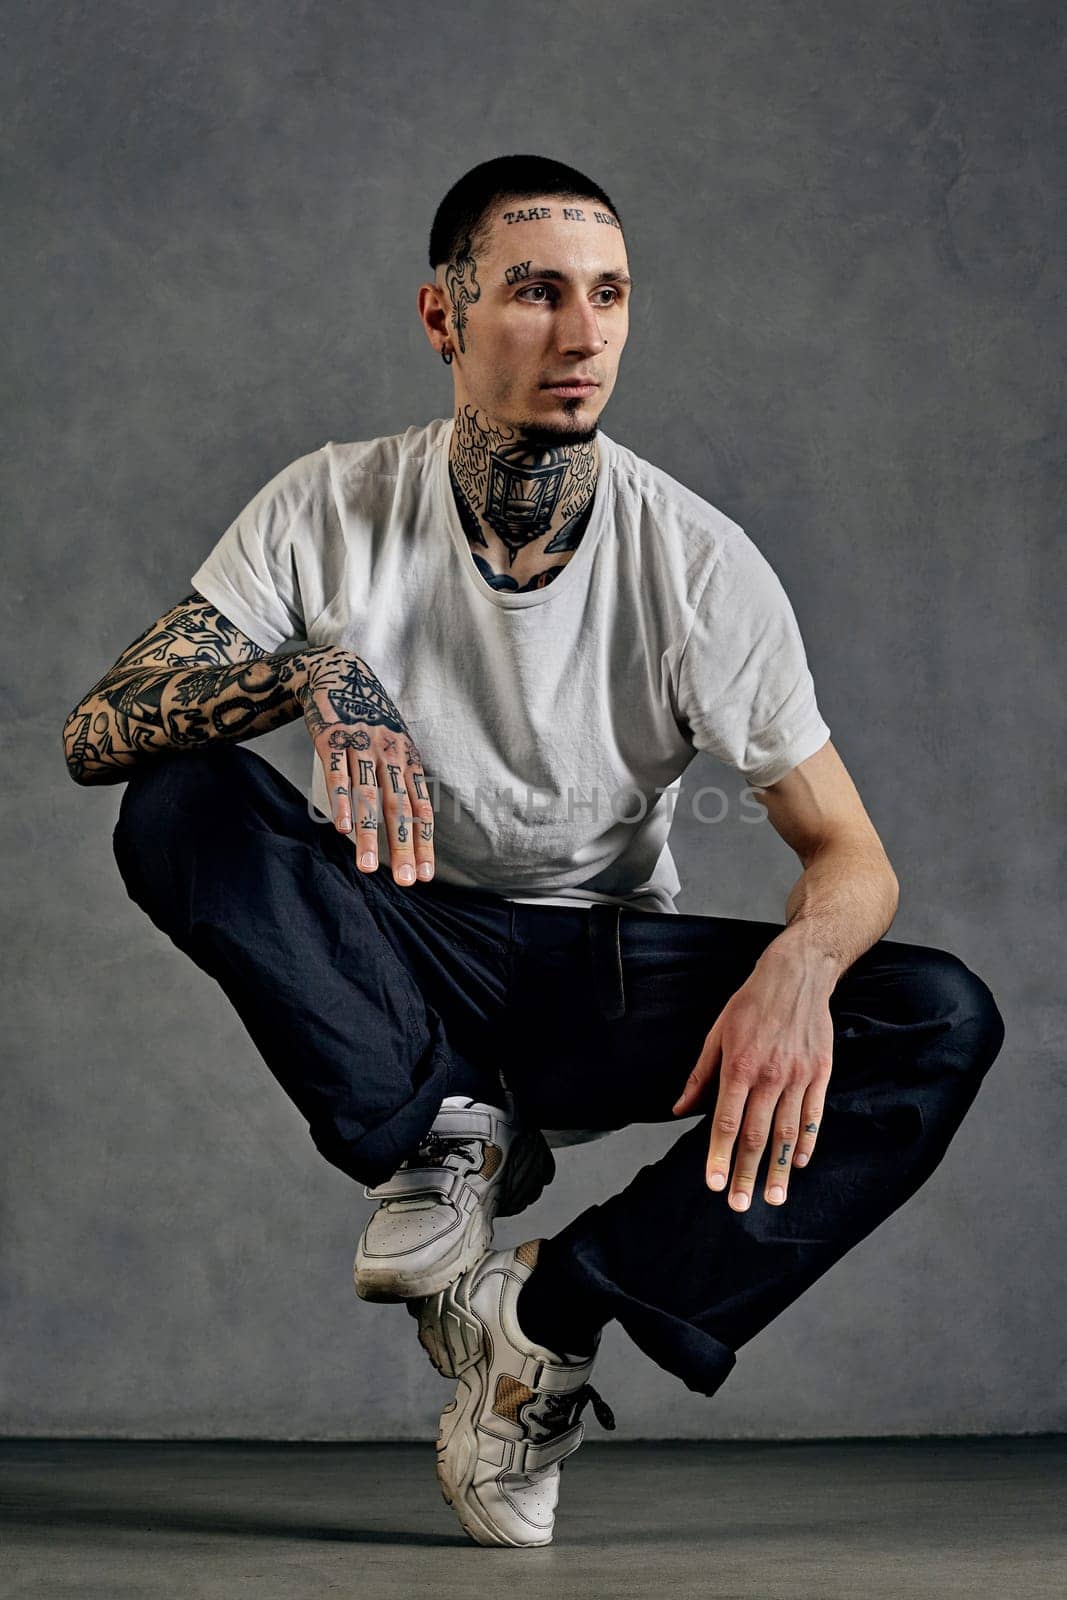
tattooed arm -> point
(190, 677)
(193, 677)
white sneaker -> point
(504, 1438)
(437, 1210)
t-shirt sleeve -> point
(745, 690)
(267, 571)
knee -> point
(160, 808)
(167, 786)
(967, 1011)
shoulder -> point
(674, 522)
(351, 462)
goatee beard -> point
(549, 436)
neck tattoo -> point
(517, 500)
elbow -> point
(892, 895)
(89, 765)
(891, 877)
(75, 747)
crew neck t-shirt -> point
(554, 724)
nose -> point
(580, 330)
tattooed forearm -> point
(133, 716)
(189, 678)
(192, 631)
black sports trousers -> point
(370, 1003)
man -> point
(513, 610)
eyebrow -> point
(607, 276)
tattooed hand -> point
(369, 759)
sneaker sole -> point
(449, 1332)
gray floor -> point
(854, 1519)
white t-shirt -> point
(554, 725)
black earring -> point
(446, 357)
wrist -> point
(304, 664)
(794, 953)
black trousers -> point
(370, 1003)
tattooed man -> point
(507, 635)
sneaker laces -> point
(461, 1152)
(559, 1412)
(439, 1150)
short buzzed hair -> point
(462, 224)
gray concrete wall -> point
(845, 227)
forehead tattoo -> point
(568, 213)
(461, 273)
(521, 269)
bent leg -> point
(691, 1279)
(342, 979)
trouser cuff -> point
(683, 1348)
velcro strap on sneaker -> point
(564, 1444)
(555, 1379)
(441, 1181)
(461, 1121)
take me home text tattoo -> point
(568, 213)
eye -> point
(544, 288)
